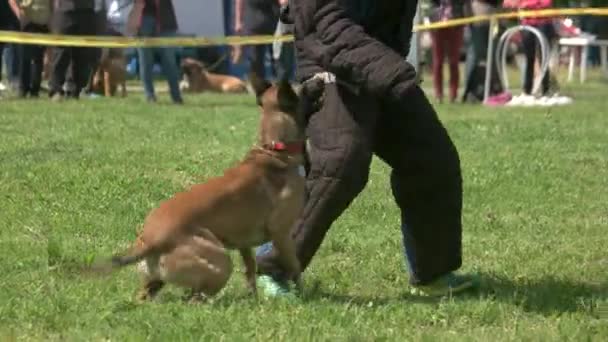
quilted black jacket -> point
(363, 42)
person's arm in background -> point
(238, 16)
(16, 9)
(528, 4)
(52, 7)
(331, 38)
(510, 4)
(134, 18)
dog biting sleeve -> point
(328, 35)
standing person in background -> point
(8, 52)
(283, 52)
(478, 49)
(446, 41)
(118, 15)
(5, 14)
(529, 41)
(260, 17)
(156, 18)
(34, 17)
(96, 53)
(71, 17)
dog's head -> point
(192, 67)
(281, 122)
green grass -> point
(77, 179)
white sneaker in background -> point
(562, 100)
(528, 100)
(2, 87)
(545, 101)
(516, 100)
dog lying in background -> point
(199, 263)
(197, 79)
(111, 73)
(254, 202)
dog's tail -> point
(133, 256)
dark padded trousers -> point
(77, 22)
(425, 179)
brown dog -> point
(254, 202)
(111, 73)
(200, 263)
(198, 80)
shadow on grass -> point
(546, 296)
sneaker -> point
(561, 100)
(447, 285)
(57, 97)
(2, 87)
(272, 288)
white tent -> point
(195, 17)
(200, 17)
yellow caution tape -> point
(125, 42)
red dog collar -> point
(291, 148)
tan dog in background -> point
(200, 263)
(198, 80)
(254, 202)
(111, 73)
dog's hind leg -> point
(153, 283)
(250, 269)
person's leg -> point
(426, 183)
(549, 31)
(37, 63)
(438, 55)
(37, 66)
(257, 53)
(146, 58)
(340, 136)
(529, 46)
(471, 63)
(81, 56)
(61, 55)
(146, 62)
(284, 65)
(1, 59)
(168, 57)
(95, 59)
(454, 44)
(60, 63)
(25, 66)
(13, 64)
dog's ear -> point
(198, 64)
(185, 63)
(259, 85)
(287, 97)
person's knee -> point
(346, 161)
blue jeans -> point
(12, 61)
(167, 57)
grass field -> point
(77, 178)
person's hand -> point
(238, 26)
(20, 14)
(283, 2)
(237, 54)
